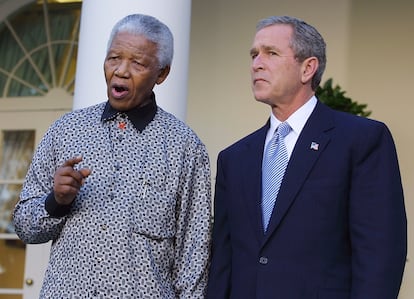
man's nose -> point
(122, 69)
(257, 62)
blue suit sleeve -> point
(377, 218)
(220, 270)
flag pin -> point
(314, 146)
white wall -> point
(381, 64)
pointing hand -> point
(68, 181)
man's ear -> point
(309, 67)
(163, 73)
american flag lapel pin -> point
(314, 146)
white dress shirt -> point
(296, 121)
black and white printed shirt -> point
(140, 226)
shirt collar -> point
(140, 116)
(298, 119)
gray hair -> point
(306, 42)
(152, 29)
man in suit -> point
(337, 228)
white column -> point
(97, 19)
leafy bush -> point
(335, 98)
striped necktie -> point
(275, 160)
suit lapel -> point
(252, 177)
(309, 146)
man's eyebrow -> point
(265, 48)
(273, 48)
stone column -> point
(97, 19)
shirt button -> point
(263, 260)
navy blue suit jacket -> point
(338, 229)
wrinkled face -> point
(275, 73)
(131, 71)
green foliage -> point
(335, 98)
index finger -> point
(72, 162)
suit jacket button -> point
(263, 260)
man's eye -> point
(137, 64)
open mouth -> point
(119, 91)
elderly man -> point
(122, 188)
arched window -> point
(38, 48)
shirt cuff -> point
(55, 209)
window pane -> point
(16, 151)
(29, 83)
(10, 50)
(9, 195)
(3, 79)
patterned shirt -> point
(140, 225)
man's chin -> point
(263, 100)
